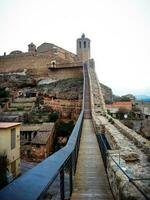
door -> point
(13, 169)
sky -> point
(119, 31)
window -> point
(80, 44)
(13, 138)
(84, 44)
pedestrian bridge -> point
(91, 165)
(90, 179)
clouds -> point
(119, 31)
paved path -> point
(90, 179)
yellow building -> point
(10, 145)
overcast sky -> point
(119, 31)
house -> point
(145, 109)
(10, 145)
(124, 106)
(42, 144)
(29, 131)
(120, 104)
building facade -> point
(10, 146)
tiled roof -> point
(8, 124)
(37, 127)
(41, 137)
(120, 104)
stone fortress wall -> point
(129, 150)
(36, 62)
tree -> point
(121, 112)
(53, 116)
(64, 129)
(26, 118)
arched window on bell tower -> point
(80, 44)
(84, 44)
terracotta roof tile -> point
(8, 124)
(37, 127)
(120, 104)
(41, 137)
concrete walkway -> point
(90, 179)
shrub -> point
(111, 120)
(64, 128)
(3, 93)
(53, 116)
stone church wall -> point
(37, 66)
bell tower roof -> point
(83, 35)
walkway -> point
(90, 179)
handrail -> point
(33, 184)
(105, 154)
(131, 179)
(83, 99)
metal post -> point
(119, 157)
(70, 176)
(62, 188)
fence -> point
(104, 147)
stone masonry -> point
(36, 63)
(129, 150)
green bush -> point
(20, 108)
(111, 120)
(53, 116)
(108, 112)
(3, 93)
(64, 128)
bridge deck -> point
(90, 179)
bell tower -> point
(83, 48)
(31, 48)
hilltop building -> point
(37, 60)
(46, 62)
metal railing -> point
(36, 182)
(104, 147)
